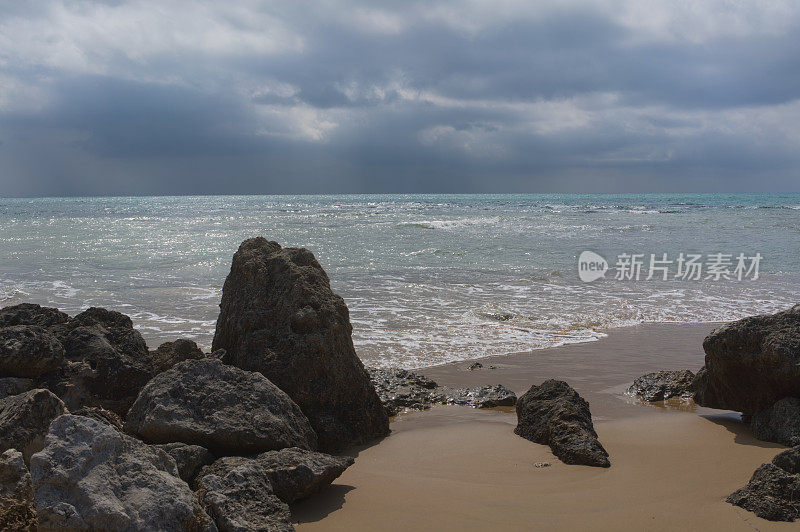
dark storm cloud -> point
(245, 97)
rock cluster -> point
(554, 414)
(401, 389)
(279, 317)
(774, 489)
(663, 385)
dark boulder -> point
(779, 423)
(28, 351)
(31, 314)
(663, 385)
(280, 317)
(773, 491)
(554, 414)
(170, 353)
(17, 511)
(25, 419)
(189, 458)
(751, 363)
(223, 408)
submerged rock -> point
(31, 314)
(401, 389)
(238, 494)
(90, 476)
(554, 414)
(28, 351)
(279, 316)
(25, 419)
(751, 363)
(663, 385)
(223, 408)
(773, 491)
(190, 459)
(779, 423)
(170, 353)
(17, 510)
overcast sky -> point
(189, 97)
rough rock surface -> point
(14, 386)
(170, 353)
(554, 414)
(222, 408)
(190, 459)
(663, 385)
(297, 473)
(751, 363)
(238, 494)
(101, 414)
(280, 317)
(17, 511)
(91, 477)
(28, 351)
(774, 489)
(31, 314)
(779, 423)
(399, 390)
(25, 418)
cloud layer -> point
(150, 97)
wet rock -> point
(238, 494)
(14, 386)
(297, 473)
(280, 317)
(28, 351)
(751, 363)
(773, 491)
(779, 423)
(663, 385)
(17, 510)
(102, 415)
(31, 314)
(170, 353)
(400, 390)
(474, 366)
(222, 408)
(190, 459)
(90, 476)
(25, 418)
(554, 414)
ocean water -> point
(428, 278)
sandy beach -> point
(460, 468)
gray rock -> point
(773, 491)
(238, 494)
(190, 459)
(14, 386)
(663, 385)
(170, 353)
(28, 351)
(280, 317)
(25, 418)
(297, 473)
(102, 415)
(400, 389)
(223, 408)
(17, 510)
(751, 363)
(779, 423)
(554, 414)
(90, 476)
(31, 314)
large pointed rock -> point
(554, 414)
(280, 317)
(25, 419)
(90, 476)
(222, 408)
(751, 363)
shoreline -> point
(456, 467)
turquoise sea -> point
(427, 278)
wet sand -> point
(459, 468)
